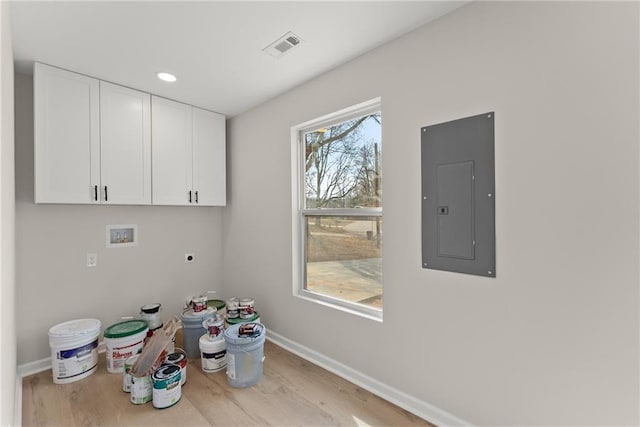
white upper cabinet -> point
(100, 143)
(209, 158)
(92, 140)
(188, 157)
(66, 135)
(125, 145)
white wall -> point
(53, 282)
(7, 223)
(554, 338)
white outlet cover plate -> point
(92, 260)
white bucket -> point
(123, 340)
(74, 349)
(213, 353)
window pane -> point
(344, 258)
(342, 164)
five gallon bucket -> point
(74, 349)
(245, 354)
(123, 340)
(192, 329)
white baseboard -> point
(409, 403)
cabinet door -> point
(125, 145)
(66, 136)
(209, 162)
(172, 155)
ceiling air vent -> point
(283, 45)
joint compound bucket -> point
(167, 389)
(192, 329)
(123, 340)
(74, 349)
(245, 355)
(213, 353)
(179, 357)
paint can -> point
(246, 308)
(233, 308)
(253, 319)
(123, 340)
(126, 375)
(74, 349)
(167, 389)
(199, 303)
(141, 390)
(214, 326)
(219, 305)
(179, 357)
(151, 313)
(192, 329)
(245, 354)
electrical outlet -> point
(189, 257)
(92, 260)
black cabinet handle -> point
(196, 196)
(106, 196)
(189, 196)
(95, 193)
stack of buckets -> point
(213, 328)
(231, 338)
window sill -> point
(344, 306)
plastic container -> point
(167, 389)
(123, 340)
(74, 349)
(192, 329)
(213, 353)
(245, 355)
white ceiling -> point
(213, 47)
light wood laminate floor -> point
(291, 392)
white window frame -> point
(298, 211)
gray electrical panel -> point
(458, 196)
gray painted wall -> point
(53, 282)
(554, 338)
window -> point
(337, 209)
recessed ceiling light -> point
(167, 77)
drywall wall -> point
(53, 282)
(553, 340)
(7, 224)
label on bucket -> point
(214, 361)
(76, 361)
(117, 356)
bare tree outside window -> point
(343, 210)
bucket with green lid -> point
(123, 340)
